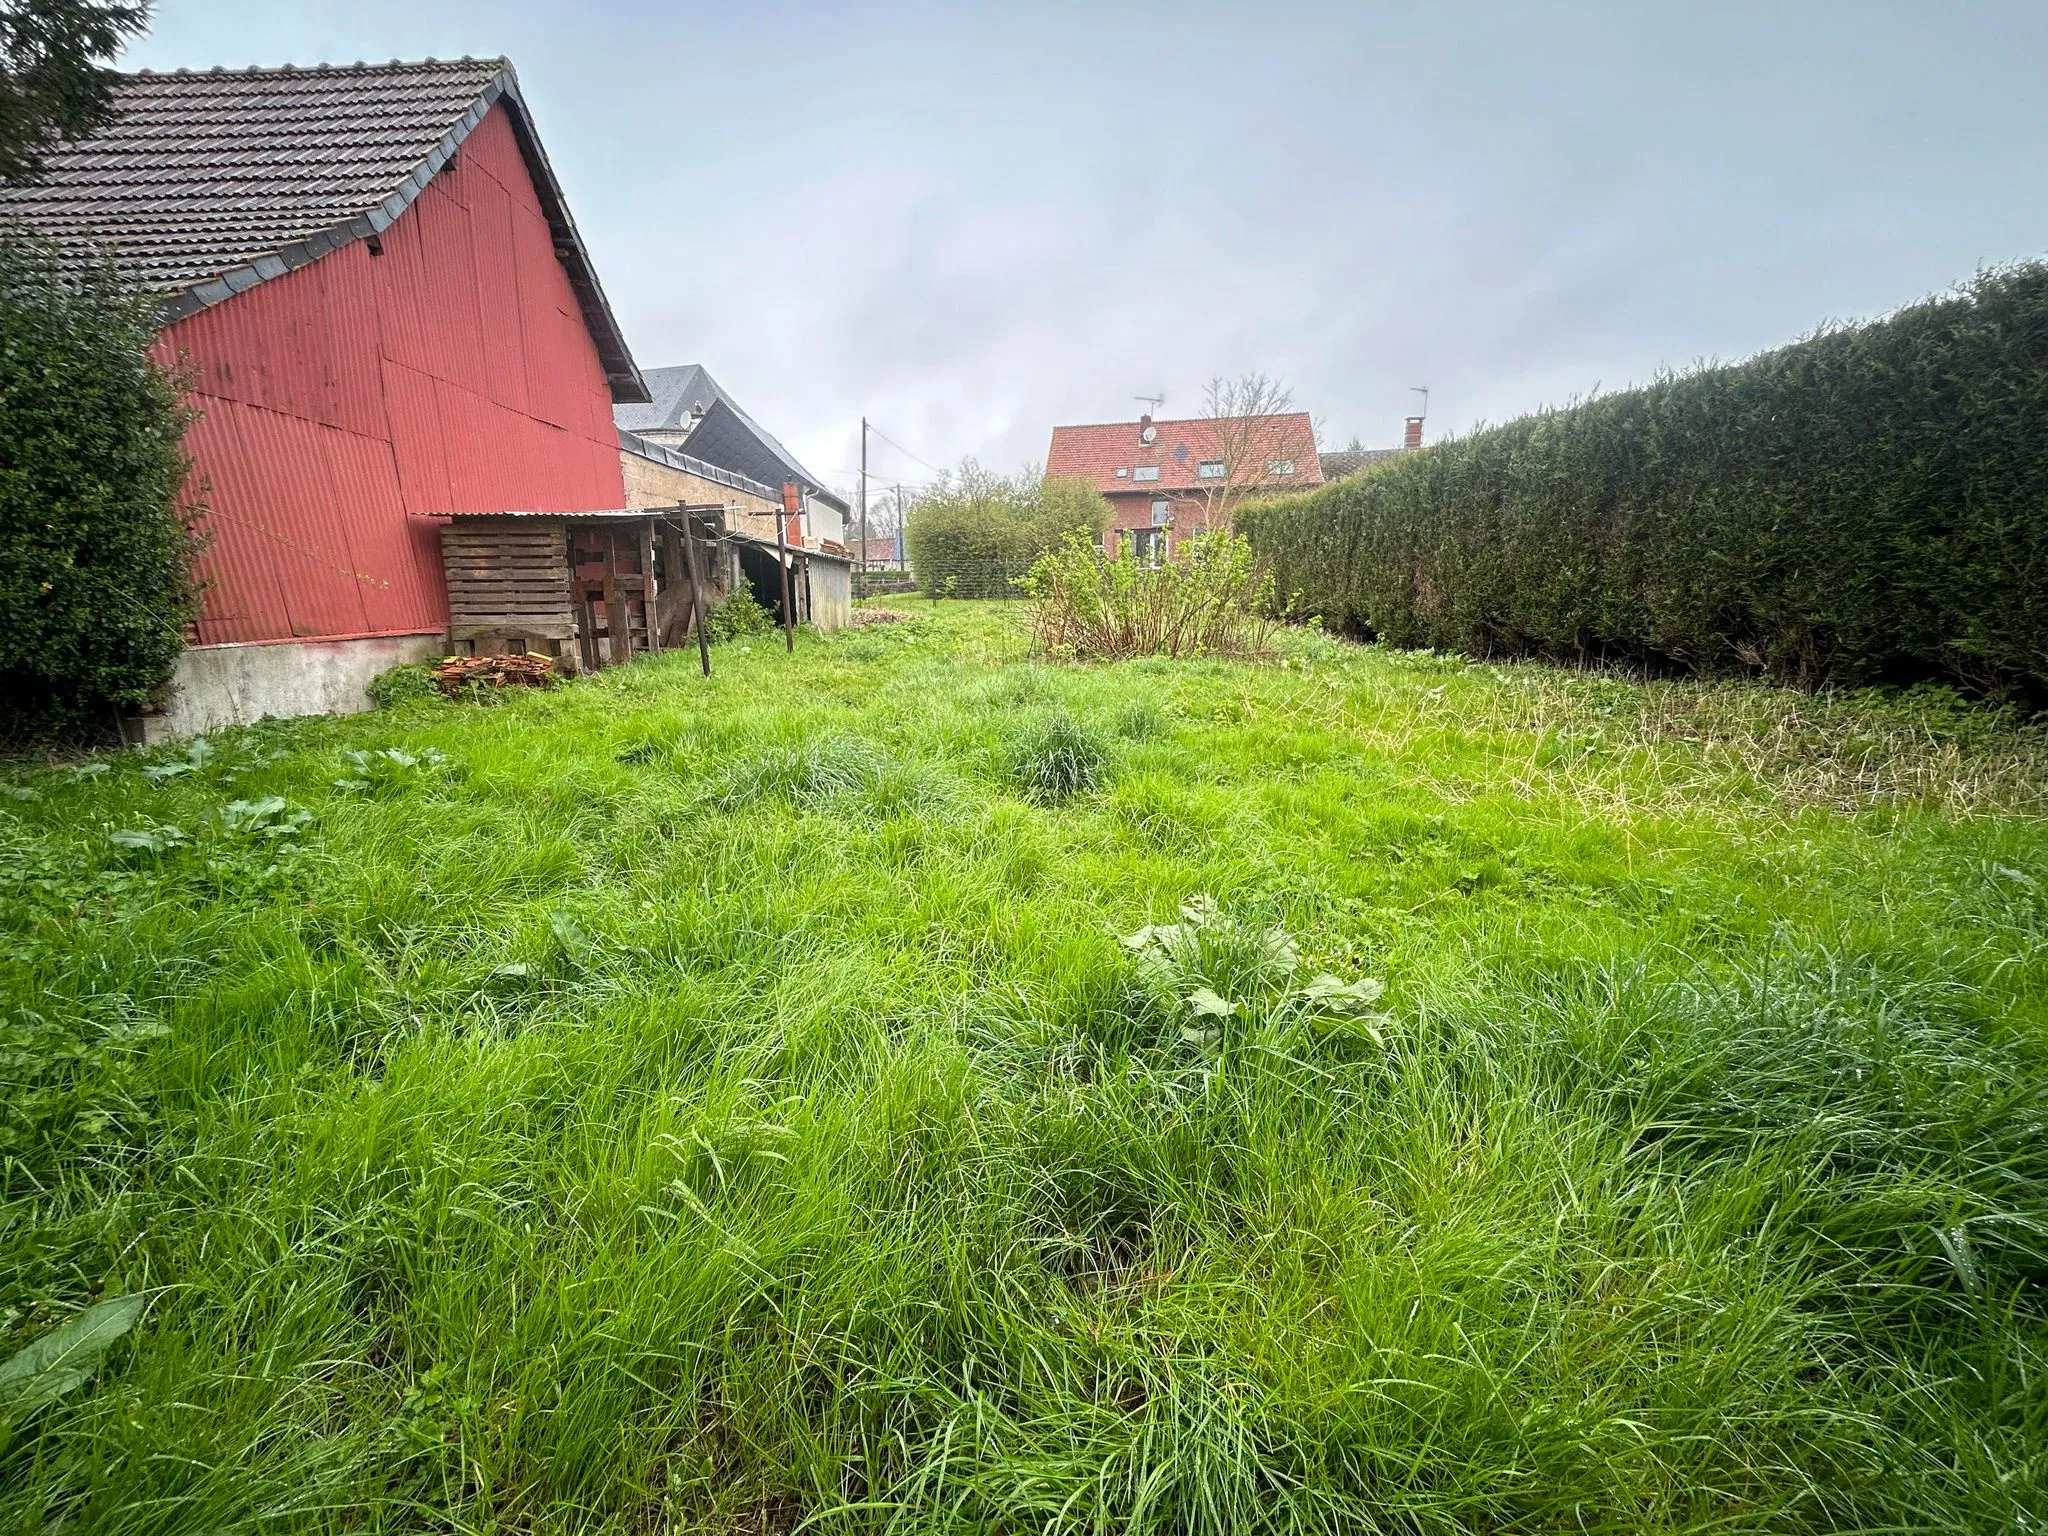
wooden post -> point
(618, 624)
(789, 505)
(650, 591)
(696, 588)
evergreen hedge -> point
(95, 579)
(1866, 505)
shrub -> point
(1208, 599)
(95, 583)
(979, 532)
(1866, 505)
(738, 616)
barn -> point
(387, 318)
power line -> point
(885, 437)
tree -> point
(975, 531)
(54, 79)
(1242, 441)
(95, 577)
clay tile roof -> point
(1095, 453)
(209, 182)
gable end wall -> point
(349, 406)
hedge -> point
(95, 584)
(977, 533)
(1866, 505)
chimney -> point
(1412, 437)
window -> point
(1162, 514)
(1145, 472)
(1210, 469)
(1279, 466)
(1121, 473)
(1149, 546)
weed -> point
(1056, 758)
(390, 770)
(408, 683)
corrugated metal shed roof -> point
(209, 183)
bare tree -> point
(1244, 442)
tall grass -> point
(751, 1104)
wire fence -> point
(970, 577)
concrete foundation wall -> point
(222, 685)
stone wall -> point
(651, 483)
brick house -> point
(388, 318)
(1167, 480)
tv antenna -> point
(1422, 390)
(1155, 401)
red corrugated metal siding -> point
(349, 404)
(356, 329)
(242, 594)
(397, 560)
(490, 227)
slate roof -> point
(209, 182)
(1095, 453)
(1345, 462)
(725, 435)
(671, 391)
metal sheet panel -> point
(397, 559)
(290, 501)
(356, 386)
(418, 440)
(405, 294)
(453, 320)
(490, 226)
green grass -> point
(731, 1106)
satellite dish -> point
(1150, 432)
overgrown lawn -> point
(906, 1086)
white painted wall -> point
(824, 522)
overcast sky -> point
(974, 221)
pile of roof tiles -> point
(459, 675)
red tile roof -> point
(1096, 453)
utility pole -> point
(863, 495)
(899, 528)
